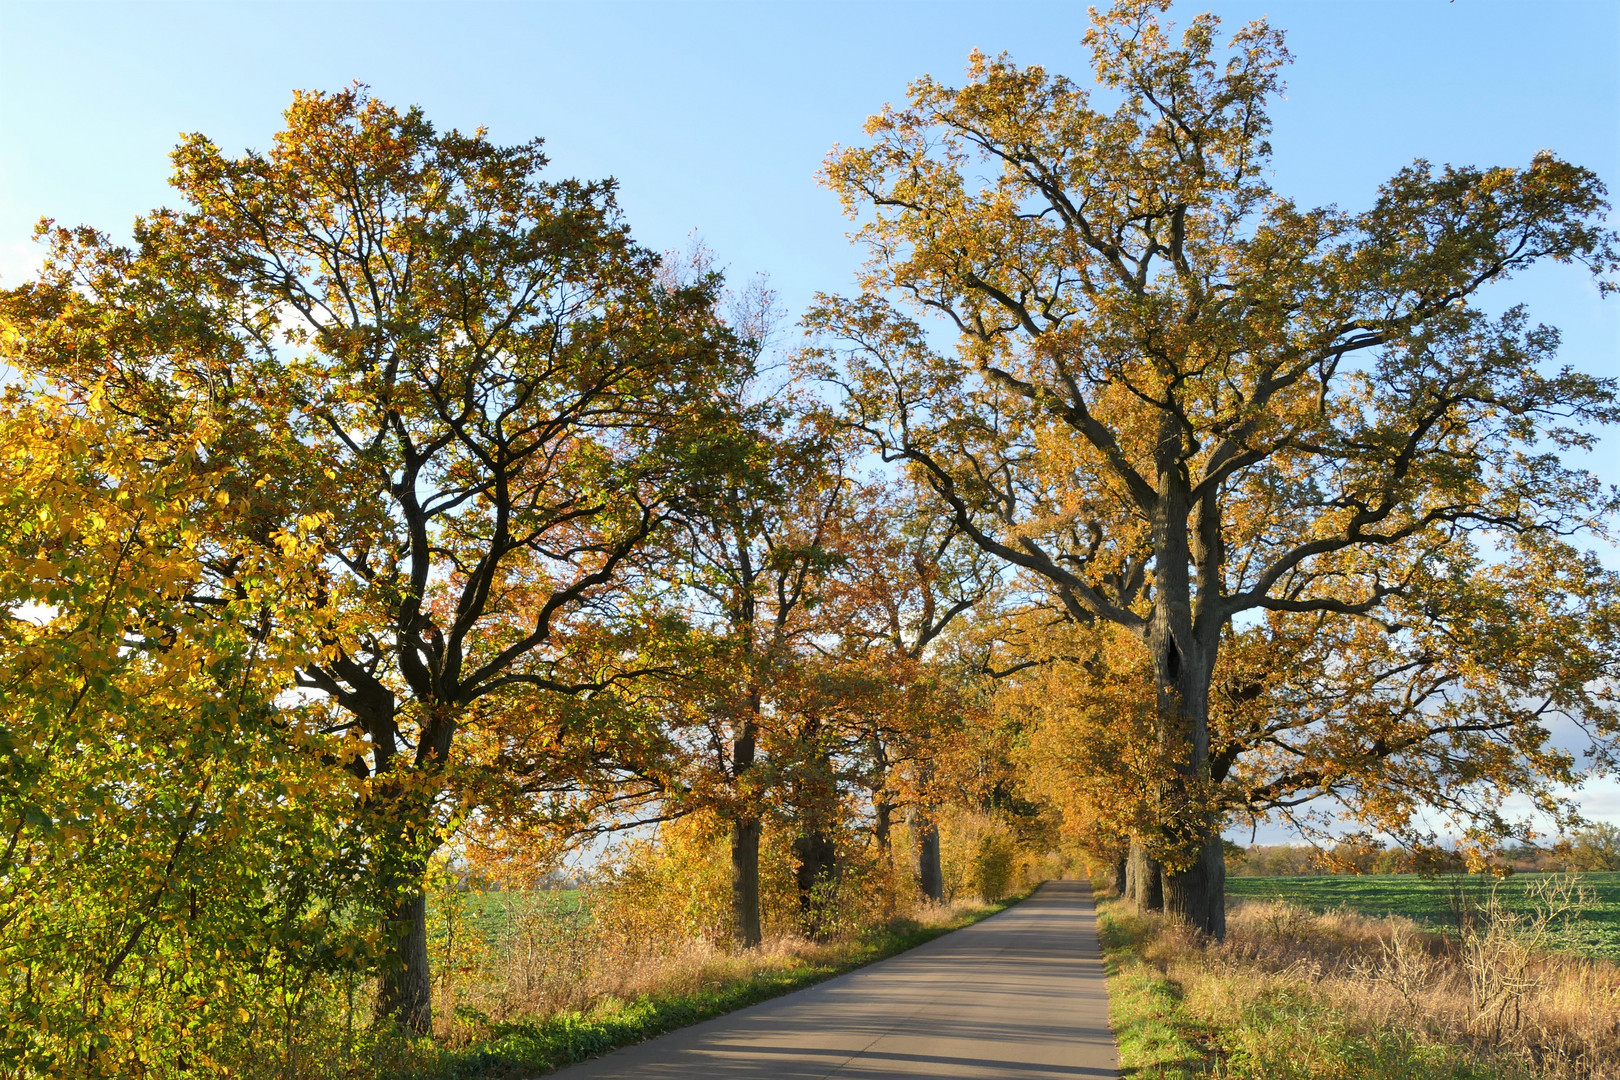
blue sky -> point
(714, 117)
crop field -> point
(494, 916)
(1434, 902)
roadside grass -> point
(1296, 996)
(723, 983)
(1593, 930)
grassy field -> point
(495, 915)
(1434, 902)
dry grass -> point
(561, 983)
(555, 965)
(654, 931)
(1493, 998)
(657, 923)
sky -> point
(715, 117)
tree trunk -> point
(1197, 895)
(746, 929)
(405, 981)
(745, 882)
(884, 816)
(405, 989)
(1120, 870)
(818, 867)
(929, 875)
(1147, 879)
(1184, 663)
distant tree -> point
(908, 579)
(1180, 399)
(1084, 700)
(1596, 847)
(753, 562)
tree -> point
(1084, 697)
(756, 554)
(1177, 397)
(466, 381)
(1448, 713)
(908, 576)
(1596, 847)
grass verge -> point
(1184, 1010)
(526, 1047)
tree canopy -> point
(1175, 397)
(385, 500)
(465, 384)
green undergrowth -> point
(1181, 1017)
(525, 1047)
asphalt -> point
(1019, 995)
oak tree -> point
(754, 556)
(909, 578)
(1181, 399)
(467, 382)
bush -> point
(980, 856)
(993, 867)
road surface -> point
(1018, 995)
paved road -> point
(1018, 995)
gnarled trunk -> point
(817, 869)
(405, 980)
(746, 930)
(1119, 871)
(1197, 895)
(883, 816)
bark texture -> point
(1146, 881)
(930, 877)
(1184, 643)
(745, 882)
(405, 988)
(882, 825)
(817, 869)
(1197, 895)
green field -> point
(495, 916)
(1433, 902)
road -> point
(1018, 995)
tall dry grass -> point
(657, 920)
(585, 965)
(1499, 988)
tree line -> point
(386, 495)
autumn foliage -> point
(384, 528)
(1188, 409)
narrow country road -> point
(1020, 994)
